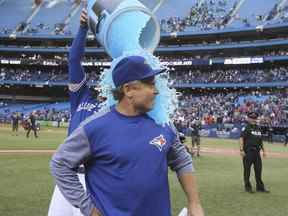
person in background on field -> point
(32, 122)
(251, 143)
(15, 123)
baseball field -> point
(26, 185)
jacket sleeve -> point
(63, 165)
(77, 77)
(76, 53)
(179, 159)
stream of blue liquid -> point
(124, 41)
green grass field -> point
(26, 185)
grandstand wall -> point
(205, 59)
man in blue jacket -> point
(125, 153)
(82, 105)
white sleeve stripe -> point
(74, 87)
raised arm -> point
(77, 77)
(76, 53)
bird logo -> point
(159, 142)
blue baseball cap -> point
(132, 68)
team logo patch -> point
(86, 106)
(159, 142)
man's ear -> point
(128, 90)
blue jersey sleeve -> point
(77, 77)
(179, 159)
(64, 164)
(76, 53)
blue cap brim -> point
(155, 72)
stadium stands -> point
(178, 77)
(252, 13)
(15, 13)
(238, 75)
(221, 68)
(44, 23)
(73, 24)
(190, 15)
(233, 107)
(281, 15)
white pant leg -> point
(59, 206)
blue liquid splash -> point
(165, 102)
(124, 37)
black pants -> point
(14, 127)
(195, 140)
(34, 130)
(253, 157)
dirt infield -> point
(233, 152)
(204, 150)
(26, 152)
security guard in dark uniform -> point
(250, 146)
(193, 131)
(195, 135)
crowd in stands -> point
(209, 108)
(283, 14)
(177, 77)
(244, 75)
(278, 52)
(53, 75)
(18, 74)
(204, 15)
(5, 31)
(229, 108)
(212, 14)
(57, 29)
(3, 104)
(28, 27)
(280, 12)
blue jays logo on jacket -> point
(159, 142)
(86, 106)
